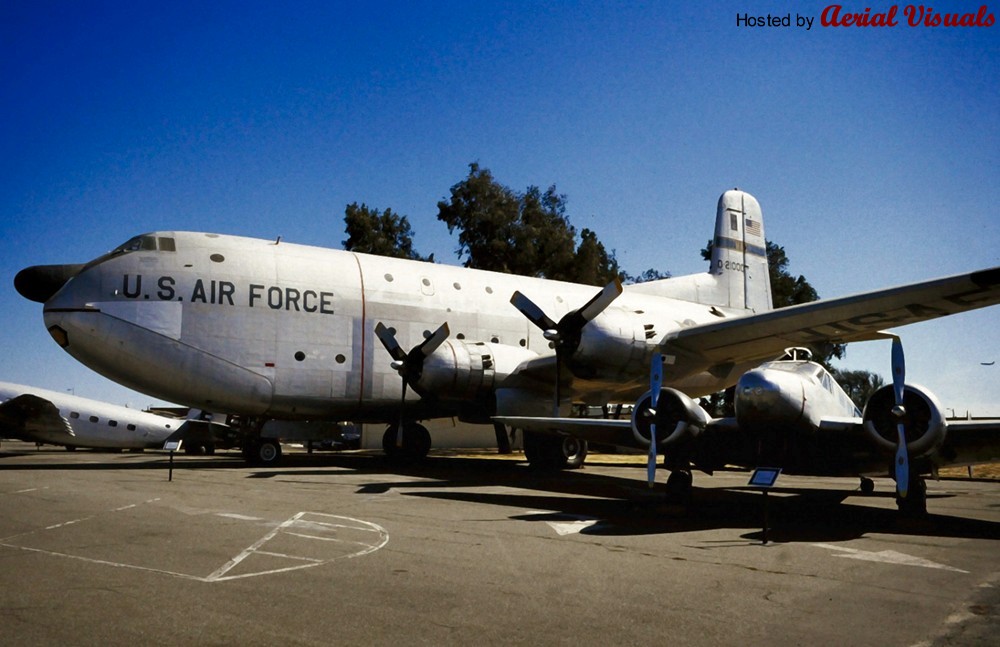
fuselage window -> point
(93, 418)
(130, 427)
(112, 423)
(167, 244)
(74, 415)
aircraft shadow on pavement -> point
(618, 505)
(623, 505)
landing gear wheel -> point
(867, 485)
(915, 503)
(416, 442)
(679, 486)
(268, 452)
(573, 452)
(554, 452)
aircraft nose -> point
(40, 282)
(763, 397)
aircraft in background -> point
(272, 330)
(41, 416)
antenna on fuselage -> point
(278, 240)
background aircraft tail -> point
(739, 253)
(738, 277)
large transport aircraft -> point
(49, 417)
(268, 329)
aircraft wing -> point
(852, 318)
(971, 442)
(27, 414)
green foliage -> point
(859, 385)
(651, 274)
(370, 231)
(526, 233)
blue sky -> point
(873, 152)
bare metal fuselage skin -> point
(281, 330)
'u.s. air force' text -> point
(227, 293)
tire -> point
(416, 442)
(546, 452)
(268, 452)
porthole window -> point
(426, 281)
(299, 356)
(340, 359)
(458, 286)
(388, 278)
(489, 290)
(217, 258)
(460, 335)
(93, 418)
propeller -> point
(409, 365)
(899, 413)
(655, 384)
(565, 335)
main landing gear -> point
(262, 452)
(547, 452)
(415, 446)
(915, 503)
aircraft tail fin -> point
(739, 253)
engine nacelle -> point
(612, 345)
(463, 370)
(924, 424)
(677, 416)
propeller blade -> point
(571, 324)
(655, 384)
(558, 395)
(902, 464)
(409, 365)
(529, 309)
(431, 344)
(601, 301)
(898, 370)
(399, 427)
(898, 387)
(388, 339)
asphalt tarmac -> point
(99, 548)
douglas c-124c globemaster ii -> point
(268, 329)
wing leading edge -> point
(858, 317)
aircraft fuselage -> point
(270, 328)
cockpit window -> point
(147, 243)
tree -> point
(651, 274)
(526, 233)
(859, 385)
(383, 233)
